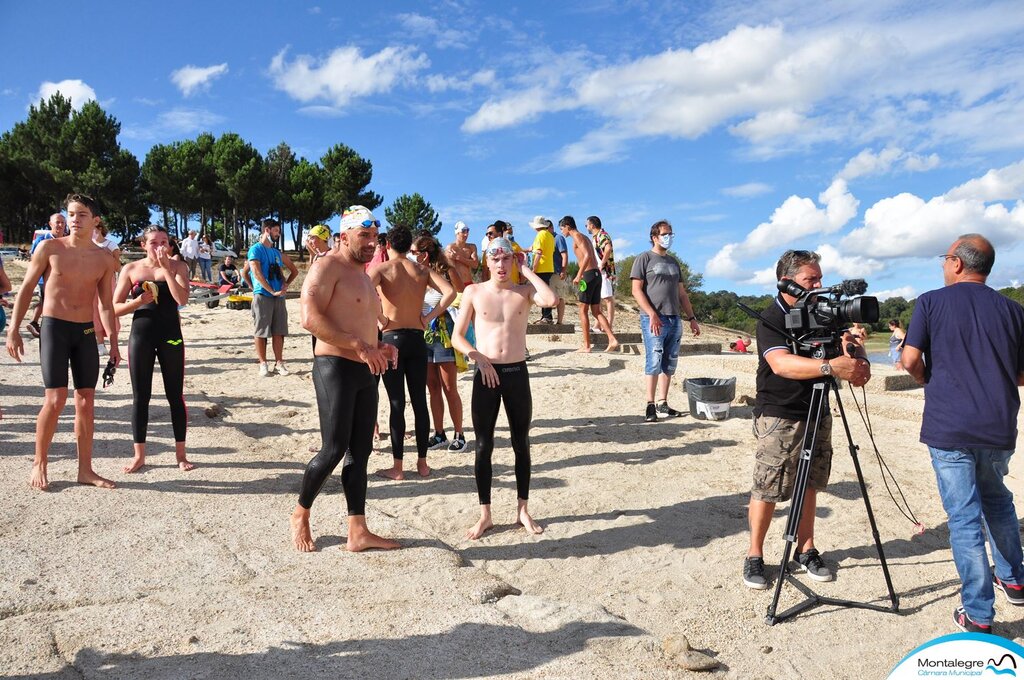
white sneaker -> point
(279, 367)
(264, 371)
(102, 349)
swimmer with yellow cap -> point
(318, 241)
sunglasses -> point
(491, 234)
(371, 223)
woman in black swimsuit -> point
(151, 289)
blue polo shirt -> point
(264, 257)
(560, 248)
(972, 338)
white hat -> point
(356, 216)
(461, 226)
(538, 222)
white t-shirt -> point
(108, 244)
(205, 251)
(189, 248)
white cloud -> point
(177, 122)
(314, 10)
(1002, 184)
(345, 75)
(724, 264)
(437, 82)
(769, 125)
(620, 244)
(191, 79)
(748, 190)
(867, 162)
(419, 26)
(77, 91)
(322, 111)
(525, 106)
(516, 205)
(905, 292)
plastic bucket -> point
(710, 397)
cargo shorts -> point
(779, 441)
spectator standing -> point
(965, 344)
(206, 258)
(269, 313)
(190, 252)
(543, 266)
(606, 255)
(58, 229)
(558, 283)
(896, 343)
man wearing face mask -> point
(658, 289)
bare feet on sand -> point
(523, 518)
(613, 347)
(184, 464)
(422, 467)
(302, 537)
(38, 479)
(364, 539)
(136, 464)
(90, 478)
(391, 473)
(583, 350)
(480, 528)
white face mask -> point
(665, 240)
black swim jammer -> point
(68, 342)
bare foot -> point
(523, 518)
(583, 350)
(185, 465)
(480, 528)
(38, 479)
(90, 478)
(422, 467)
(370, 541)
(137, 463)
(302, 537)
(391, 473)
(613, 347)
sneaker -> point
(1014, 593)
(101, 349)
(652, 414)
(437, 441)
(33, 328)
(458, 443)
(812, 563)
(280, 368)
(665, 410)
(264, 371)
(964, 622)
(753, 573)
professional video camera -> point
(819, 316)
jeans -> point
(977, 502)
(661, 351)
(206, 267)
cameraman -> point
(965, 344)
(784, 384)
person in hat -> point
(318, 242)
(462, 255)
(543, 250)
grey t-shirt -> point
(660, 275)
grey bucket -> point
(710, 397)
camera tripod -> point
(819, 402)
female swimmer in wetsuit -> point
(152, 289)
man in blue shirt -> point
(58, 229)
(270, 316)
(965, 344)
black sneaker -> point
(812, 563)
(652, 414)
(438, 441)
(458, 444)
(964, 623)
(1014, 593)
(753, 573)
(665, 410)
(33, 328)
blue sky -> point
(875, 134)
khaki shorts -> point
(269, 315)
(778, 450)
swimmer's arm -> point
(37, 266)
(440, 284)
(116, 254)
(105, 292)
(5, 283)
(466, 314)
(474, 261)
(544, 296)
(124, 284)
(177, 282)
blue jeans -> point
(977, 502)
(206, 267)
(661, 351)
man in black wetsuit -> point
(340, 308)
(75, 271)
(402, 284)
(500, 309)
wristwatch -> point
(825, 368)
(691, 318)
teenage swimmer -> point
(156, 286)
(500, 309)
(340, 307)
(402, 284)
(75, 270)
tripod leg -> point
(803, 472)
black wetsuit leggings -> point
(156, 338)
(411, 371)
(514, 390)
(346, 397)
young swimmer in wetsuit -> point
(75, 270)
(340, 308)
(152, 289)
(500, 309)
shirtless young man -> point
(499, 309)
(462, 255)
(75, 271)
(402, 284)
(590, 288)
(340, 307)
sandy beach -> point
(193, 575)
